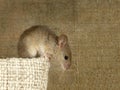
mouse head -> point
(65, 51)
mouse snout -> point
(67, 65)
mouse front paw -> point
(48, 56)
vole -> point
(40, 41)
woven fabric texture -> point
(23, 74)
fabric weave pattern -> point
(23, 74)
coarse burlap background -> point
(94, 36)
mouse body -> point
(40, 41)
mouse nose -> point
(67, 65)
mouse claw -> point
(48, 56)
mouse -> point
(41, 41)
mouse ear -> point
(62, 40)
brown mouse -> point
(40, 41)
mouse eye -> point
(66, 57)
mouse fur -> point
(40, 41)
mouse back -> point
(37, 37)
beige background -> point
(93, 30)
